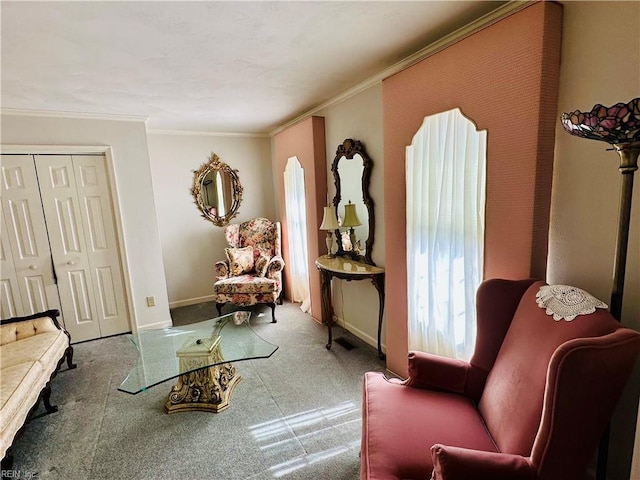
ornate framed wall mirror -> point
(351, 169)
(217, 191)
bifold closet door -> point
(28, 281)
(78, 210)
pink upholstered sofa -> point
(532, 403)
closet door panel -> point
(10, 300)
(68, 245)
(102, 245)
(26, 251)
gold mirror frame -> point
(216, 165)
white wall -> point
(128, 141)
(360, 118)
(586, 180)
(190, 244)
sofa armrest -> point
(222, 270)
(275, 265)
(436, 372)
(454, 463)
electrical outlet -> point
(151, 301)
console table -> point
(347, 269)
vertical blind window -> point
(446, 184)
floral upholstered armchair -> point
(252, 272)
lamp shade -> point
(329, 219)
(350, 216)
(617, 124)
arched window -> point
(296, 208)
(446, 184)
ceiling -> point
(210, 66)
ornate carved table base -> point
(206, 390)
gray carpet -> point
(296, 415)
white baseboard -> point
(163, 324)
(191, 301)
(359, 333)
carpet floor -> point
(295, 415)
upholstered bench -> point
(32, 349)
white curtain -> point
(446, 183)
(296, 208)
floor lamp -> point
(619, 126)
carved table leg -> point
(327, 307)
(208, 390)
(378, 282)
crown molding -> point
(10, 149)
(207, 134)
(62, 114)
(486, 20)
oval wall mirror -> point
(217, 191)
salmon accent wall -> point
(306, 141)
(505, 79)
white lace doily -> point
(565, 302)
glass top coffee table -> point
(200, 356)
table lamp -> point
(330, 224)
(351, 220)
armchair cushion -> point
(261, 235)
(240, 260)
(222, 270)
(396, 445)
(454, 463)
(261, 264)
(245, 284)
(275, 266)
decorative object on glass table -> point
(240, 317)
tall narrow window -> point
(446, 183)
(296, 208)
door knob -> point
(71, 262)
(33, 267)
